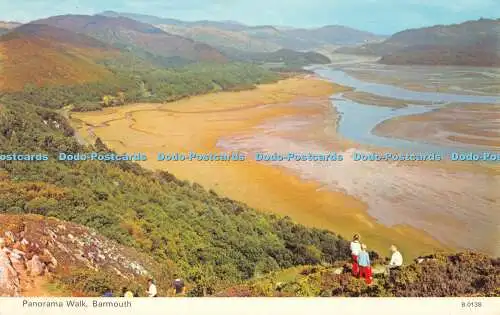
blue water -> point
(342, 78)
(357, 121)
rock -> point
(35, 266)
(50, 258)
(9, 281)
(10, 237)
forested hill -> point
(212, 241)
(7, 26)
(472, 43)
(280, 59)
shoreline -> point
(187, 124)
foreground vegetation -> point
(440, 275)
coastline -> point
(200, 123)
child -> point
(365, 265)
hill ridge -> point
(142, 36)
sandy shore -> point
(375, 100)
(374, 199)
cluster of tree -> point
(213, 241)
(440, 275)
(286, 59)
(148, 84)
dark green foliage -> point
(138, 80)
(90, 282)
(285, 59)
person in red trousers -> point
(365, 268)
(355, 249)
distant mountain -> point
(332, 34)
(221, 38)
(7, 26)
(42, 54)
(263, 38)
(483, 53)
(136, 36)
(222, 25)
(474, 43)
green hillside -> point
(212, 241)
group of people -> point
(361, 264)
(178, 289)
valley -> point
(279, 118)
(248, 137)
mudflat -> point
(473, 125)
(292, 115)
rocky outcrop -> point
(9, 280)
(38, 247)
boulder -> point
(35, 266)
(50, 259)
(9, 281)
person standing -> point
(178, 286)
(152, 291)
(107, 293)
(355, 249)
(396, 260)
(365, 268)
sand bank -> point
(474, 125)
(292, 115)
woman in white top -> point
(396, 260)
(355, 250)
(152, 292)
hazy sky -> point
(379, 16)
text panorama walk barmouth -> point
(78, 304)
(236, 156)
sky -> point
(378, 16)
